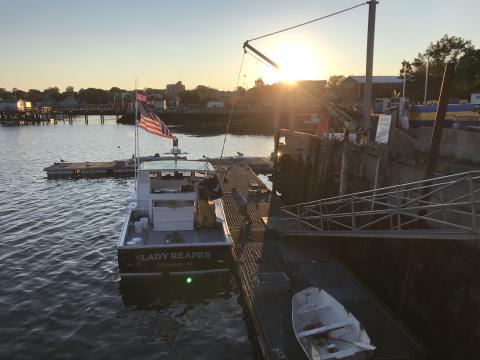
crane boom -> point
(246, 45)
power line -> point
(309, 22)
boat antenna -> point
(135, 154)
(175, 150)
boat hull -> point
(174, 260)
(326, 330)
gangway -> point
(446, 207)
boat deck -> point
(307, 262)
(189, 237)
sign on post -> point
(383, 129)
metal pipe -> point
(439, 121)
(246, 45)
(426, 83)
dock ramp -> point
(443, 208)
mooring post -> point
(344, 173)
(367, 96)
(86, 118)
(439, 121)
(276, 139)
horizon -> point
(58, 45)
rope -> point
(262, 61)
(308, 22)
(233, 103)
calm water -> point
(60, 296)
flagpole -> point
(136, 138)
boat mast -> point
(136, 136)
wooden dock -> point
(307, 263)
(46, 115)
(126, 168)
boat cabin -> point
(167, 191)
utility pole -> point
(367, 99)
(426, 83)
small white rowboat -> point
(325, 330)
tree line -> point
(461, 52)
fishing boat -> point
(164, 232)
(326, 330)
(161, 234)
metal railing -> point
(445, 207)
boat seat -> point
(325, 329)
(314, 307)
(341, 354)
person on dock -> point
(241, 204)
(204, 210)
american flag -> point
(150, 122)
(141, 97)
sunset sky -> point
(107, 43)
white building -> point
(215, 105)
(175, 89)
(160, 104)
(15, 105)
(475, 98)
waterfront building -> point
(353, 87)
(215, 105)
(175, 89)
(69, 101)
(15, 105)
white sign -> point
(383, 129)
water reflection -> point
(157, 293)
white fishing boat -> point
(175, 223)
(161, 234)
(326, 330)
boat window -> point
(168, 174)
(152, 174)
(200, 174)
(178, 175)
(172, 203)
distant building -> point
(68, 101)
(475, 98)
(48, 100)
(15, 105)
(160, 104)
(174, 89)
(315, 87)
(215, 105)
(353, 87)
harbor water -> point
(61, 296)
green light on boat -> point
(189, 280)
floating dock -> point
(306, 262)
(125, 168)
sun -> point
(296, 62)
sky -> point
(106, 43)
